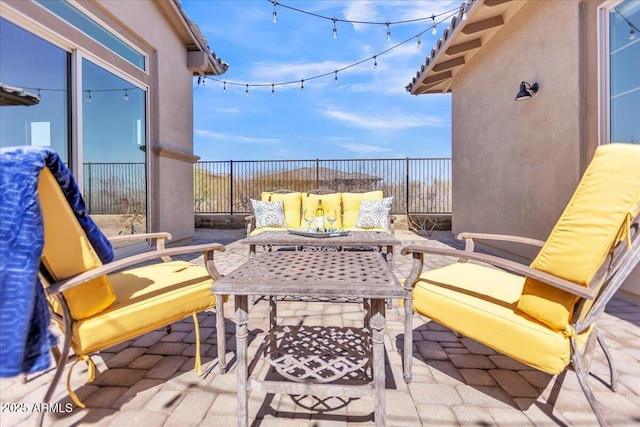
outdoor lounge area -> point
(494, 283)
(456, 381)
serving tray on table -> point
(325, 234)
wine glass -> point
(309, 215)
(331, 217)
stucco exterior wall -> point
(170, 115)
(516, 164)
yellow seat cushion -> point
(291, 203)
(586, 232)
(351, 206)
(481, 303)
(67, 252)
(329, 201)
(147, 298)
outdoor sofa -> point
(358, 210)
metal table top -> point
(313, 274)
(354, 238)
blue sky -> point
(366, 114)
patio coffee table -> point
(373, 239)
(304, 355)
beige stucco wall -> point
(516, 164)
(171, 116)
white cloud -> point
(385, 121)
(360, 10)
(364, 149)
(236, 138)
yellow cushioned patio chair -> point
(543, 315)
(97, 306)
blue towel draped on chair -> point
(25, 339)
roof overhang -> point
(462, 40)
(10, 96)
(201, 60)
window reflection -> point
(624, 63)
(33, 64)
(114, 135)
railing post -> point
(89, 189)
(317, 173)
(406, 189)
(231, 186)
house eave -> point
(201, 60)
(460, 42)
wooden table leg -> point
(408, 336)
(220, 337)
(241, 348)
(377, 340)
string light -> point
(464, 11)
(419, 43)
(224, 87)
(89, 99)
(334, 19)
(336, 71)
(632, 28)
(126, 95)
(434, 30)
(273, 90)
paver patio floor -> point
(150, 380)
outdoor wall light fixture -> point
(524, 94)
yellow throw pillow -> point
(351, 206)
(329, 201)
(291, 206)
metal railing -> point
(418, 185)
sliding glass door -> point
(113, 150)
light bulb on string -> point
(302, 84)
(126, 95)
(434, 30)
(335, 78)
(275, 13)
(224, 87)
(89, 99)
(388, 32)
(246, 90)
(375, 62)
(335, 29)
(464, 12)
(273, 91)
(632, 33)
(419, 43)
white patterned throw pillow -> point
(374, 213)
(269, 214)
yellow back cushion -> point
(291, 206)
(351, 206)
(67, 251)
(329, 201)
(584, 235)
